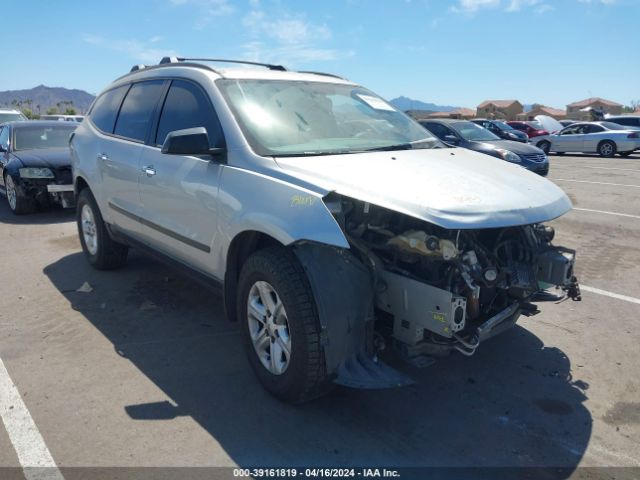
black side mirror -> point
(451, 139)
(190, 141)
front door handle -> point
(103, 156)
(149, 170)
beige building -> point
(499, 109)
(542, 110)
(458, 113)
(464, 113)
(573, 109)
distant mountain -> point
(404, 103)
(47, 97)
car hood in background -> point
(516, 147)
(45, 157)
(450, 187)
(550, 124)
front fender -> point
(251, 201)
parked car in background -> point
(35, 165)
(7, 115)
(502, 130)
(333, 223)
(566, 123)
(626, 120)
(604, 138)
(531, 128)
(465, 134)
(63, 118)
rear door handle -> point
(149, 170)
(103, 156)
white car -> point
(604, 138)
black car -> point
(502, 130)
(35, 164)
(462, 133)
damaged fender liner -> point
(343, 291)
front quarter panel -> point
(252, 201)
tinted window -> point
(11, 117)
(593, 129)
(105, 110)
(187, 106)
(4, 137)
(437, 129)
(137, 109)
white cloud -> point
(207, 10)
(602, 2)
(288, 38)
(471, 6)
(139, 50)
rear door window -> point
(137, 110)
(105, 110)
(187, 106)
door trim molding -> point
(161, 229)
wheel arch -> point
(241, 247)
(79, 184)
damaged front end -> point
(437, 290)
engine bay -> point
(438, 290)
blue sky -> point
(455, 52)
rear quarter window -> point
(105, 110)
(137, 110)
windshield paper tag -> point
(375, 103)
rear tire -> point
(606, 149)
(18, 202)
(101, 250)
(544, 146)
(273, 278)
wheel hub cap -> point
(11, 192)
(269, 327)
(89, 229)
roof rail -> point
(135, 68)
(322, 73)
(270, 66)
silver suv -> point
(335, 224)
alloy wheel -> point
(89, 232)
(269, 327)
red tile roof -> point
(589, 101)
(497, 103)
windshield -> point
(474, 133)
(291, 118)
(11, 117)
(503, 126)
(30, 137)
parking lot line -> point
(605, 212)
(626, 298)
(597, 183)
(33, 454)
(613, 168)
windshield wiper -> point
(405, 146)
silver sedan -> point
(603, 138)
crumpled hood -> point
(49, 157)
(450, 187)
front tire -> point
(607, 149)
(101, 250)
(18, 202)
(544, 146)
(281, 327)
